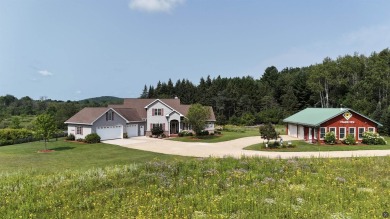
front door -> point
(174, 127)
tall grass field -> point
(204, 188)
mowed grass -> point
(304, 146)
(225, 136)
(205, 188)
(70, 156)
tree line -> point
(354, 81)
(12, 107)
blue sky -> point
(72, 50)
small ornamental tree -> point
(268, 132)
(197, 116)
(45, 127)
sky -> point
(73, 50)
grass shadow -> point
(62, 148)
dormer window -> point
(110, 116)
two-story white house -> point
(135, 117)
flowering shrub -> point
(330, 138)
(372, 138)
(350, 140)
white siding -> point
(157, 119)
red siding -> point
(356, 121)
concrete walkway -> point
(232, 148)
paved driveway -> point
(232, 148)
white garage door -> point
(292, 130)
(109, 132)
(132, 130)
(301, 132)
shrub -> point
(372, 138)
(125, 135)
(185, 133)
(350, 140)
(163, 135)
(92, 138)
(80, 140)
(70, 137)
(157, 130)
(204, 133)
(330, 138)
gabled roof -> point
(89, 115)
(316, 116)
(141, 104)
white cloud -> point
(154, 5)
(78, 92)
(45, 73)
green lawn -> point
(225, 136)
(70, 156)
(304, 146)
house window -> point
(342, 133)
(360, 132)
(322, 132)
(371, 129)
(157, 112)
(333, 129)
(110, 116)
(79, 130)
(352, 131)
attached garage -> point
(132, 130)
(109, 132)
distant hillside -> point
(103, 100)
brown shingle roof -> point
(87, 115)
(128, 113)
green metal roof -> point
(317, 116)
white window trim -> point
(373, 129)
(360, 138)
(324, 133)
(345, 132)
(354, 131)
(335, 130)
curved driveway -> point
(232, 148)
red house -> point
(311, 124)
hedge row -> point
(10, 136)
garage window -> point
(79, 130)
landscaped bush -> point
(272, 145)
(80, 140)
(125, 135)
(330, 138)
(350, 140)
(92, 138)
(70, 137)
(372, 138)
(185, 133)
(157, 130)
(204, 133)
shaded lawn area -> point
(225, 136)
(71, 155)
(304, 146)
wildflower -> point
(270, 201)
(340, 179)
